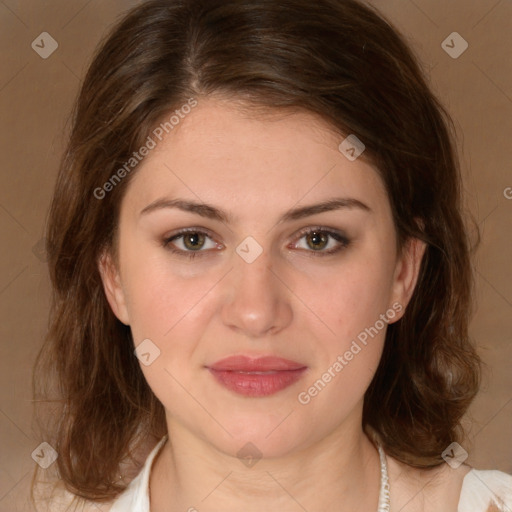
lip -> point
(256, 377)
(243, 363)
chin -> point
(260, 435)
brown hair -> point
(337, 59)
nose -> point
(257, 300)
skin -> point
(290, 302)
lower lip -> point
(257, 384)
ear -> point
(112, 285)
(406, 273)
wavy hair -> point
(337, 59)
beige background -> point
(36, 96)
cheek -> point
(347, 297)
(156, 298)
(347, 357)
(172, 312)
(349, 302)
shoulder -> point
(53, 496)
(442, 489)
(447, 489)
(49, 493)
(486, 490)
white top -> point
(480, 489)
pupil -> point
(316, 238)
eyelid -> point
(183, 231)
(322, 229)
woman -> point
(261, 272)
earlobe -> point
(407, 272)
(113, 288)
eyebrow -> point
(214, 213)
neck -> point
(339, 473)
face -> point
(258, 274)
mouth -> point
(258, 377)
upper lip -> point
(259, 364)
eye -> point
(189, 242)
(193, 242)
(321, 241)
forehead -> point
(220, 154)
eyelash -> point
(337, 236)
